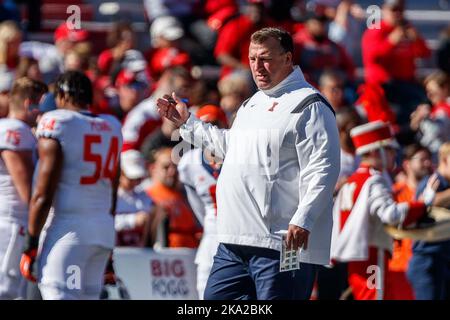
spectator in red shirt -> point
(219, 12)
(166, 33)
(120, 39)
(390, 51)
(233, 40)
(389, 55)
(315, 52)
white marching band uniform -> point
(363, 205)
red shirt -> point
(162, 58)
(314, 57)
(442, 108)
(105, 61)
(234, 39)
(384, 61)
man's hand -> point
(29, 257)
(421, 113)
(429, 193)
(297, 238)
(397, 35)
(173, 109)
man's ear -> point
(289, 58)
(60, 100)
(27, 103)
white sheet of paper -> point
(288, 258)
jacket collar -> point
(295, 80)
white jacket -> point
(282, 160)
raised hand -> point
(173, 109)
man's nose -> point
(427, 163)
(259, 64)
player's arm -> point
(49, 171)
(382, 204)
(20, 167)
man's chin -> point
(264, 85)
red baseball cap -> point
(211, 113)
(63, 32)
(125, 77)
(128, 77)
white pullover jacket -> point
(281, 164)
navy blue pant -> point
(250, 273)
(429, 276)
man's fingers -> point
(435, 185)
(288, 240)
(162, 103)
(305, 242)
(434, 182)
(174, 96)
(294, 242)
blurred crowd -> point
(199, 50)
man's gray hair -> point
(282, 36)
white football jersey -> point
(200, 181)
(15, 135)
(140, 122)
(91, 147)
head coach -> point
(281, 163)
